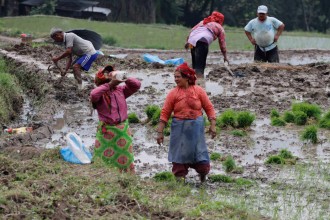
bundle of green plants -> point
(229, 164)
(165, 176)
(283, 157)
(243, 182)
(215, 156)
(325, 121)
(151, 110)
(300, 118)
(244, 119)
(155, 117)
(274, 114)
(226, 119)
(238, 133)
(310, 134)
(277, 121)
(133, 118)
(220, 178)
(311, 110)
(288, 117)
(206, 121)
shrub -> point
(310, 109)
(300, 118)
(310, 133)
(227, 118)
(288, 117)
(243, 182)
(274, 114)
(215, 156)
(150, 110)
(244, 119)
(133, 118)
(229, 164)
(277, 122)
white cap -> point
(262, 9)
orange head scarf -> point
(214, 17)
(100, 78)
(188, 72)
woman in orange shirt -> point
(187, 141)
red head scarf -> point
(214, 17)
(100, 78)
(185, 70)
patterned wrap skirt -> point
(113, 145)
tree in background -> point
(47, 8)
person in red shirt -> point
(187, 140)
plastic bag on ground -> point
(75, 152)
(155, 59)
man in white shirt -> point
(74, 45)
(263, 32)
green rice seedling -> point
(227, 118)
(300, 118)
(311, 110)
(155, 117)
(310, 133)
(285, 154)
(215, 156)
(133, 118)
(325, 121)
(275, 159)
(288, 117)
(238, 170)
(220, 178)
(165, 176)
(238, 133)
(243, 182)
(244, 119)
(150, 110)
(229, 164)
(277, 122)
(167, 131)
(274, 114)
(206, 121)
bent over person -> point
(263, 32)
(74, 45)
(113, 143)
(187, 140)
(201, 36)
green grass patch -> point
(150, 110)
(215, 156)
(311, 110)
(235, 119)
(133, 118)
(310, 134)
(283, 157)
(274, 113)
(229, 164)
(325, 121)
(277, 121)
(238, 133)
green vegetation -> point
(229, 164)
(284, 157)
(133, 118)
(312, 111)
(129, 35)
(289, 117)
(274, 114)
(325, 121)
(10, 94)
(165, 176)
(150, 110)
(215, 156)
(277, 122)
(235, 119)
(238, 133)
(310, 134)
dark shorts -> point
(181, 170)
(270, 56)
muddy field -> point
(259, 88)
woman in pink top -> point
(187, 141)
(201, 36)
(113, 143)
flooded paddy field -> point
(300, 191)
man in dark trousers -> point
(263, 32)
(74, 45)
